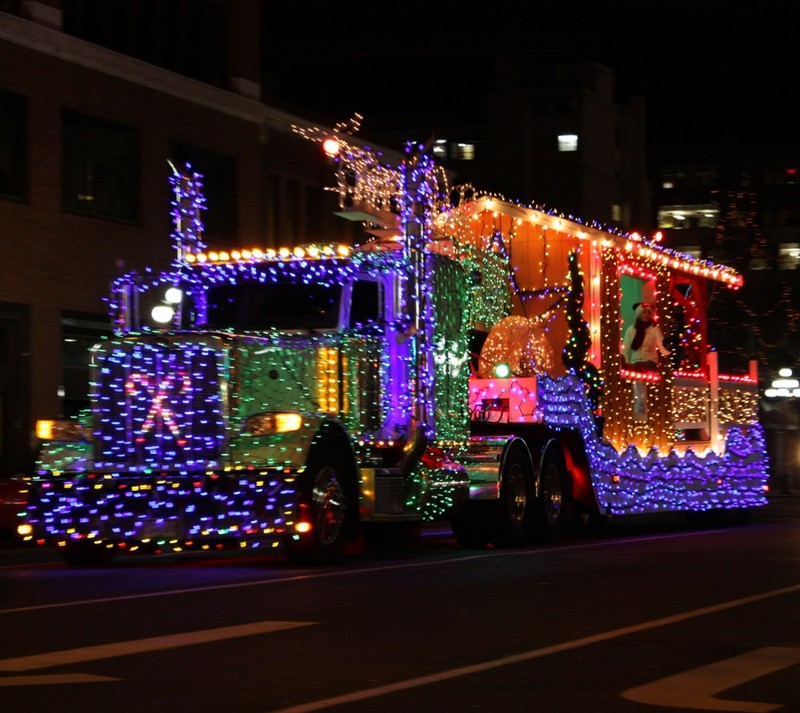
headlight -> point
(266, 424)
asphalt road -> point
(648, 615)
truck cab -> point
(264, 397)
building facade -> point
(553, 136)
(741, 207)
(89, 136)
(100, 101)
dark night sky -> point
(711, 71)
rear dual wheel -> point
(520, 515)
(512, 518)
(554, 501)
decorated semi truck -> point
(463, 363)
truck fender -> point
(328, 498)
(485, 461)
(333, 431)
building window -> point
(789, 256)
(671, 218)
(706, 179)
(219, 188)
(616, 212)
(685, 217)
(567, 142)
(464, 151)
(101, 168)
(190, 38)
(672, 179)
(443, 150)
(695, 251)
(79, 333)
(296, 212)
(12, 145)
(759, 263)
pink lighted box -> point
(511, 400)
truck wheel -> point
(329, 503)
(513, 512)
(554, 498)
(86, 554)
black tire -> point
(512, 517)
(329, 502)
(554, 498)
(87, 554)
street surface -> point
(647, 615)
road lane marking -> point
(140, 646)
(348, 572)
(696, 688)
(377, 691)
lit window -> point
(789, 256)
(693, 250)
(616, 212)
(668, 218)
(672, 179)
(440, 148)
(687, 216)
(465, 152)
(567, 142)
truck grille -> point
(158, 405)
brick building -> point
(92, 111)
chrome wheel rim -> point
(552, 497)
(516, 495)
(330, 505)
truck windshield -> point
(255, 306)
